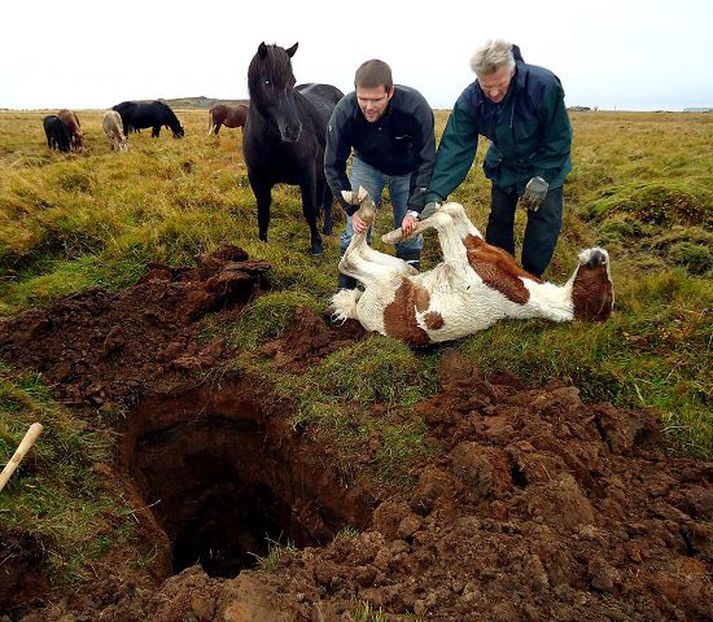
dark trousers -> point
(541, 232)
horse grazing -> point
(156, 114)
(474, 286)
(71, 120)
(285, 135)
(229, 116)
(112, 126)
(56, 132)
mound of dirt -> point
(534, 506)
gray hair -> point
(492, 56)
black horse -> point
(57, 133)
(284, 137)
(135, 115)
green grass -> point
(640, 187)
(56, 500)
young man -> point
(520, 109)
(391, 130)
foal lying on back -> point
(474, 286)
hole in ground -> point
(227, 483)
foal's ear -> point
(291, 51)
(262, 50)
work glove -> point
(429, 210)
(535, 193)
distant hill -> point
(202, 103)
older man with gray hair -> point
(520, 109)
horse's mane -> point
(275, 66)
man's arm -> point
(556, 145)
(456, 151)
(426, 145)
(337, 152)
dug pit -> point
(533, 505)
(226, 483)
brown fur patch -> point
(434, 320)
(592, 294)
(498, 269)
(400, 315)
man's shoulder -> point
(408, 97)
(345, 108)
(540, 75)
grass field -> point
(641, 187)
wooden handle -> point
(27, 442)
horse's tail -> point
(211, 122)
(343, 305)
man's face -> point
(495, 85)
(373, 102)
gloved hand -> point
(534, 194)
(429, 210)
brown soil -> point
(535, 506)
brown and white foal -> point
(474, 286)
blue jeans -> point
(374, 181)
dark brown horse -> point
(284, 137)
(229, 116)
(71, 120)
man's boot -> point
(411, 257)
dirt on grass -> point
(532, 505)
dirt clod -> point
(535, 506)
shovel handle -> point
(28, 440)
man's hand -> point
(429, 210)
(535, 193)
(358, 224)
(408, 224)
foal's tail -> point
(211, 123)
(343, 305)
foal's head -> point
(271, 85)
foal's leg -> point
(309, 209)
(369, 266)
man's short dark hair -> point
(373, 74)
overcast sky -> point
(624, 54)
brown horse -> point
(229, 116)
(71, 120)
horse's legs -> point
(309, 209)
(324, 196)
(155, 131)
(263, 195)
(371, 267)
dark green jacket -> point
(529, 131)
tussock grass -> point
(56, 502)
(269, 315)
(640, 187)
(378, 369)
